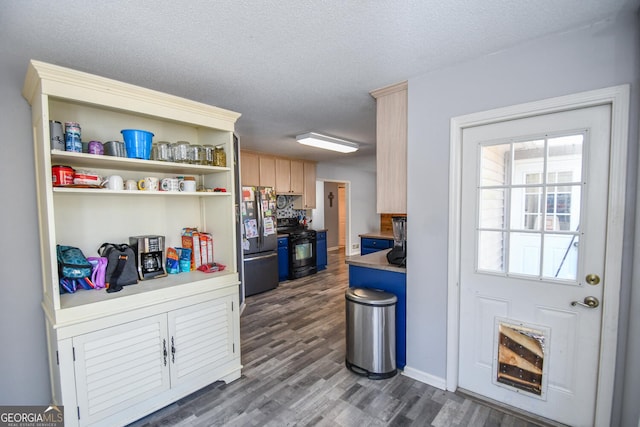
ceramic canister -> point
(62, 175)
(56, 133)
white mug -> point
(131, 185)
(170, 184)
(188, 186)
(149, 183)
(113, 182)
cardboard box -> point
(203, 248)
(206, 248)
(191, 240)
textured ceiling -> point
(288, 66)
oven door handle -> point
(275, 254)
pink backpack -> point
(99, 271)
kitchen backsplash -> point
(289, 212)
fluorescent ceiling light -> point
(327, 142)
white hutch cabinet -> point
(117, 357)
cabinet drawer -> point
(369, 245)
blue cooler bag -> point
(72, 263)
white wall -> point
(24, 374)
(601, 55)
(317, 214)
(362, 191)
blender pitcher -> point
(398, 254)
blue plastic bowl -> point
(137, 143)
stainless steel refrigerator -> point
(259, 239)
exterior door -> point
(533, 228)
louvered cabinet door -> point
(201, 339)
(119, 367)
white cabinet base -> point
(118, 374)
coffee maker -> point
(398, 254)
(149, 256)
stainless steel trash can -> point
(371, 332)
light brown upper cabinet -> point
(297, 176)
(283, 176)
(309, 196)
(267, 171)
(250, 168)
(257, 169)
(391, 148)
(289, 176)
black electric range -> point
(302, 247)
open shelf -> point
(95, 296)
(137, 193)
(73, 159)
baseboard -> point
(529, 417)
(423, 377)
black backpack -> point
(121, 265)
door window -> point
(529, 207)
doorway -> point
(523, 251)
(342, 215)
(333, 213)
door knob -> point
(589, 302)
(592, 279)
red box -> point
(206, 248)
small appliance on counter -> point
(149, 256)
(398, 254)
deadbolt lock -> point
(592, 279)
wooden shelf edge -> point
(103, 191)
(124, 163)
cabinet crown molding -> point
(396, 87)
(275, 156)
(60, 82)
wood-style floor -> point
(293, 351)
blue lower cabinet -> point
(283, 258)
(321, 250)
(395, 283)
(369, 245)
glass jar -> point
(181, 152)
(172, 151)
(162, 151)
(219, 157)
(208, 154)
(196, 154)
